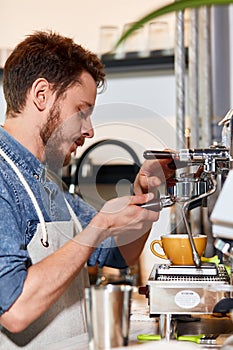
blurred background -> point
(139, 108)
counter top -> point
(141, 323)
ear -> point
(40, 92)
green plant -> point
(173, 7)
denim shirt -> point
(18, 219)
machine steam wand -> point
(184, 208)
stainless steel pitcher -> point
(108, 315)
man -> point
(47, 236)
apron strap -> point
(44, 239)
(74, 217)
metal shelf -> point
(158, 60)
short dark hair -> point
(51, 56)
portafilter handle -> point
(159, 203)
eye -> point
(85, 113)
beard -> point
(56, 144)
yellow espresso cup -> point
(177, 248)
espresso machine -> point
(201, 288)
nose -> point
(87, 128)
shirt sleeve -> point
(14, 259)
(107, 253)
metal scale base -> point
(187, 290)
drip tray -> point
(206, 269)
(205, 324)
(188, 273)
(186, 289)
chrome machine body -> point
(200, 288)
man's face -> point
(69, 123)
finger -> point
(141, 198)
(155, 168)
(154, 182)
(169, 172)
(150, 166)
(165, 170)
(150, 184)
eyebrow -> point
(88, 104)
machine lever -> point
(159, 203)
(174, 157)
(154, 206)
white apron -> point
(66, 318)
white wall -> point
(153, 91)
(78, 19)
(82, 21)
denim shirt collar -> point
(22, 157)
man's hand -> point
(152, 174)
